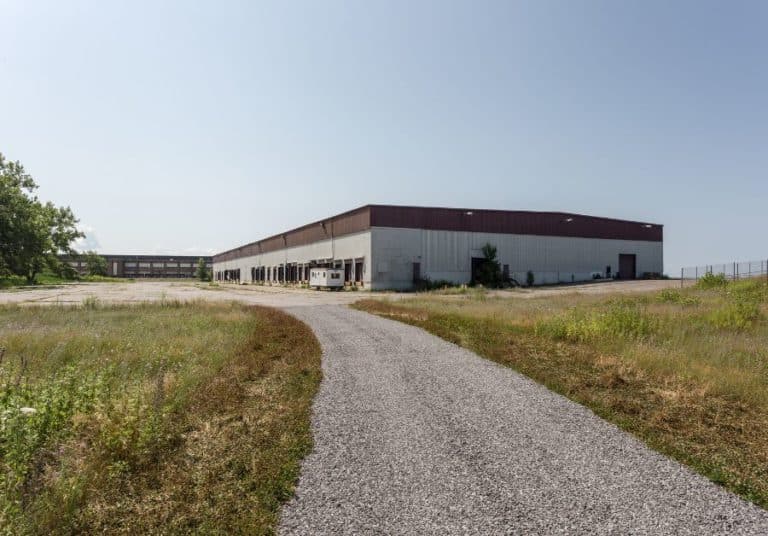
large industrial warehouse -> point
(143, 266)
(394, 247)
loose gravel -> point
(414, 435)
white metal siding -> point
(447, 255)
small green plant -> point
(530, 279)
(669, 295)
(712, 281)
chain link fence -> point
(731, 270)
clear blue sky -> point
(192, 127)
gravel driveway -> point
(414, 435)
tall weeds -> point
(621, 319)
(103, 407)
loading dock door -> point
(477, 262)
(627, 266)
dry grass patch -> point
(154, 418)
(662, 366)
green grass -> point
(42, 279)
(151, 418)
(684, 370)
(46, 279)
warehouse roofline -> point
(522, 222)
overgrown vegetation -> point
(711, 280)
(684, 370)
(32, 233)
(619, 319)
(152, 418)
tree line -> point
(34, 234)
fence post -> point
(681, 276)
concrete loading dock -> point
(393, 247)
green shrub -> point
(669, 295)
(95, 263)
(748, 289)
(621, 319)
(712, 281)
(530, 279)
(489, 272)
(738, 315)
(64, 270)
(741, 310)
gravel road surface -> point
(414, 435)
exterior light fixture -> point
(469, 213)
(647, 225)
(569, 220)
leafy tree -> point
(95, 263)
(202, 270)
(32, 233)
(64, 270)
(5, 271)
(489, 271)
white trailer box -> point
(326, 278)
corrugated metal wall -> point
(447, 255)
